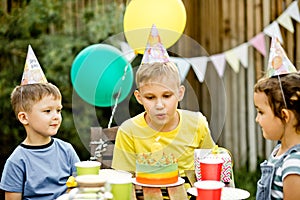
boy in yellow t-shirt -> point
(162, 125)
(179, 131)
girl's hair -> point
(25, 96)
(290, 93)
(156, 71)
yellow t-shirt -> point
(135, 136)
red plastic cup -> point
(209, 190)
(211, 169)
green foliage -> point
(247, 180)
(57, 32)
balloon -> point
(99, 72)
(169, 16)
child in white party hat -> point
(277, 101)
(40, 166)
(162, 126)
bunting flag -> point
(199, 65)
(286, 21)
(242, 54)
(183, 66)
(219, 62)
(293, 11)
(273, 30)
(236, 55)
(258, 42)
(232, 60)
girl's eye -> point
(58, 110)
(47, 111)
(259, 112)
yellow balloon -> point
(169, 16)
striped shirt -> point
(290, 165)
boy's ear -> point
(181, 92)
(286, 116)
(138, 97)
(22, 116)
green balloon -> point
(99, 73)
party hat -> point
(155, 51)
(278, 61)
(33, 72)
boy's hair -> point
(290, 89)
(23, 97)
(155, 71)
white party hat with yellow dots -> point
(278, 62)
(33, 72)
(155, 51)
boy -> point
(40, 166)
(179, 131)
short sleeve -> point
(12, 177)
(291, 164)
(124, 155)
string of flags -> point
(236, 55)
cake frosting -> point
(153, 171)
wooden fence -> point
(221, 25)
(218, 26)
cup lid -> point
(211, 160)
(88, 163)
(208, 185)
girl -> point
(277, 100)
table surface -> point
(178, 192)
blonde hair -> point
(155, 71)
(23, 97)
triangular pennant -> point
(293, 11)
(199, 65)
(278, 61)
(183, 66)
(219, 62)
(127, 51)
(285, 20)
(33, 72)
(242, 53)
(258, 42)
(155, 51)
(232, 60)
(273, 30)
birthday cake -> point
(153, 171)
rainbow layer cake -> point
(153, 171)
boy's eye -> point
(58, 110)
(149, 97)
(47, 111)
(167, 95)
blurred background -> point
(229, 38)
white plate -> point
(179, 182)
(109, 173)
(228, 193)
(63, 197)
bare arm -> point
(13, 196)
(291, 189)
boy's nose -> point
(159, 103)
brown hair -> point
(155, 71)
(290, 92)
(23, 97)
